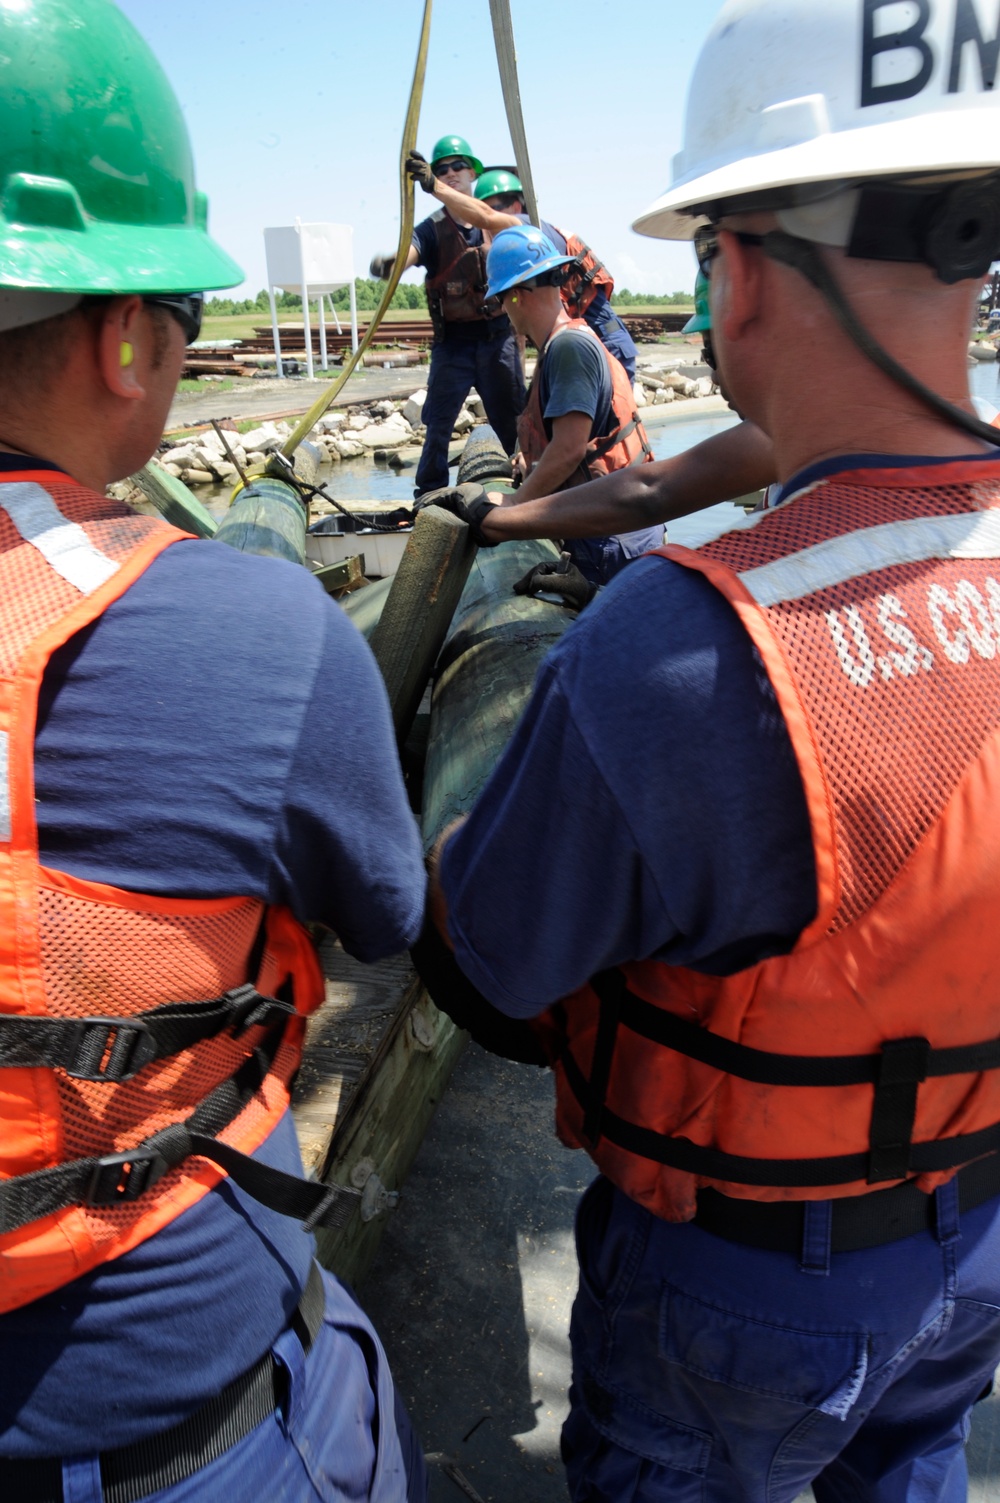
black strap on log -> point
(895, 1071)
(112, 1050)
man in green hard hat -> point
(588, 285)
(164, 1329)
(474, 344)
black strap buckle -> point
(109, 1049)
(125, 1176)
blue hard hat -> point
(518, 255)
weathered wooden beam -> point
(382, 1128)
(175, 503)
(418, 609)
(367, 605)
(343, 577)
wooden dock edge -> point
(376, 1141)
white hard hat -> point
(814, 94)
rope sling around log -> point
(307, 423)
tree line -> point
(368, 293)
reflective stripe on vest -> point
(870, 1053)
(119, 1083)
(625, 445)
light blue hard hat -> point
(518, 255)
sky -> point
(296, 110)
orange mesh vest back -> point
(870, 1053)
(72, 950)
(625, 445)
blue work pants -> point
(341, 1436)
(600, 559)
(493, 367)
(705, 1371)
(614, 336)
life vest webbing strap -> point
(712, 1163)
(112, 1049)
(666, 1028)
(117, 1178)
(610, 989)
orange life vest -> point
(869, 1054)
(586, 279)
(625, 445)
(121, 1015)
(456, 293)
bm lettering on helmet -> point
(885, 35)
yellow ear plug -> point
(127, 353)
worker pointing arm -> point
(587, 286)
(474, 344)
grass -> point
(194, 383)
(648, 310)
(244, 325)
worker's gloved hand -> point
(469, 503)
(420, 171)
(381, 267)
(563, 578)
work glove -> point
(562, 578)
(469, 503)
(420, 171)
(381, 267)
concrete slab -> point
(472, 1288)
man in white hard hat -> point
(757, 938)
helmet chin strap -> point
(804, 257)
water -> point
(364, 480)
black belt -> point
(857, 1221)
(133, 1472)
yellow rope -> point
(306, 424)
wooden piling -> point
(418, 609)
(267, 518)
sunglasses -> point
(455, 164)
(186, 307)
(706, 245)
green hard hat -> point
(496, 180)
(96, 177)
(455, 146)
(701, 318)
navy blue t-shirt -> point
(574, 377)
(193, 742)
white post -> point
(304, 289)
(274, 332)
(336, 315)
(307, 329)
(322, 333)
(354, 317)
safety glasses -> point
(706, 245)
(186, 307)
(454, 164)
